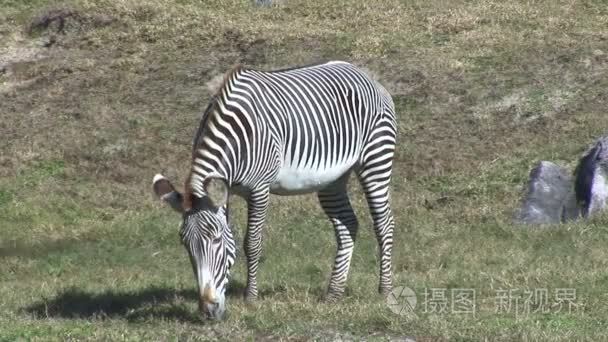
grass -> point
(92, 108)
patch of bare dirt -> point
(61, 20)
(15, 57)
(23, 48)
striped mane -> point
(231, 74)
(228, 76)
(207, 114)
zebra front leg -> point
(337, 206)
(257, 207)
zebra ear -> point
(217, 191)
(166, 192)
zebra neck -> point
(214, 153)
(204, 168)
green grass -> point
(483, 90)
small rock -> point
(50, 42)
(263, 2)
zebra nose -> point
(209, 304)
(208, 295)
(212, 311)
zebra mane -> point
(207, 113)
(211, 106)
(229, 75)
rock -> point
(591, 175)
(549, 197)
(570, 210)
(263, 2)
(555, 197)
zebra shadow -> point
(139, 305)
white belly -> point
(293, 181)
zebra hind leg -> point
(378, 202)
(375, 175)
(336, 205)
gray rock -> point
(549, 197)
(591, 175)
(263, 2)
(571, 210)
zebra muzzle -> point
(208, 295)
(208, 303)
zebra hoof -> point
(251, 298)
(332, 298)
(385, 290)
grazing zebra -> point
(285, 132)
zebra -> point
(285, 132)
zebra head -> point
(207, 236)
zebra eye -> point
(217, 240)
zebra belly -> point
(293, 181)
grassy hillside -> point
(98, 96)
